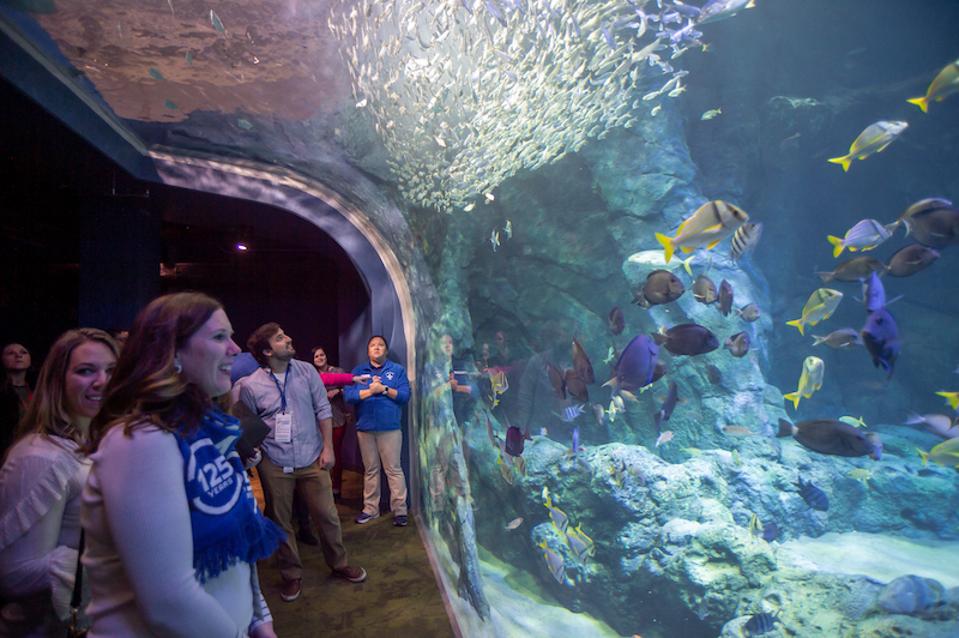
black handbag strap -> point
(78, 579)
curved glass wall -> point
(684, 312)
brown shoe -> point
(290, 590)
(350, 573)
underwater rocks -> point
(912, 595)
(717, 389)
(684, 539)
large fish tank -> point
(507, 164)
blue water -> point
(513, 161)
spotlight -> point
(241, 246)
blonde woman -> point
(41, 482)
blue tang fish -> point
(636, 366)
(814, 497)
(880, 335)
(874, 293)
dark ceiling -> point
(54, 180)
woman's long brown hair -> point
(145, 388)
(47, 410)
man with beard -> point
(289, 396)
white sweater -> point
(139, 549)
(40, 486)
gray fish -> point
(704, 290)
(738, 344)
(616, 320)
(666, 411)
(813, 495)
(785, 428)
(745, 239)
(838, 339)
(855, 269)
(687, 338)
(911, 259)
(837, 438)
(581, 363)
(725, 298)
(933, 222)
(716, 10)
(941, 424)
(661, 287)
(749, 312)
(575, 386)
(866, 234)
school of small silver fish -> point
(436, 77)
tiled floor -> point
(400, 598)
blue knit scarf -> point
(227, 526)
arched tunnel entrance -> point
(313, 263)
(88, 244)
(372, 297)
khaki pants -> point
(376, 447)
(315, 488)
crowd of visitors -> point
(126, 505)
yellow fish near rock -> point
(809, 381)
(943, 85)
(874, 139)
(710, 224)
(946, 454)
(819, 307)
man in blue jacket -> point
(379, 421)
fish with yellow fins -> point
(554, 563)
(558, 517)
(943, 85)
(710, 224)
(865, 235)
(581, 544)
(952, 398)
(809, 381)
(819, 307)
(874, 139)
(946, 454)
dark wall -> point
(84, 241)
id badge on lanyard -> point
(283, 430)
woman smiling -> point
(173, 532)
(41, 481)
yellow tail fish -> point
(943, 85)
(809, 381)
(946, 453)
(874, 139)
(820, 306)
(710, 224)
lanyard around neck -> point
(282, 391)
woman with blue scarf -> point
(172, 530)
